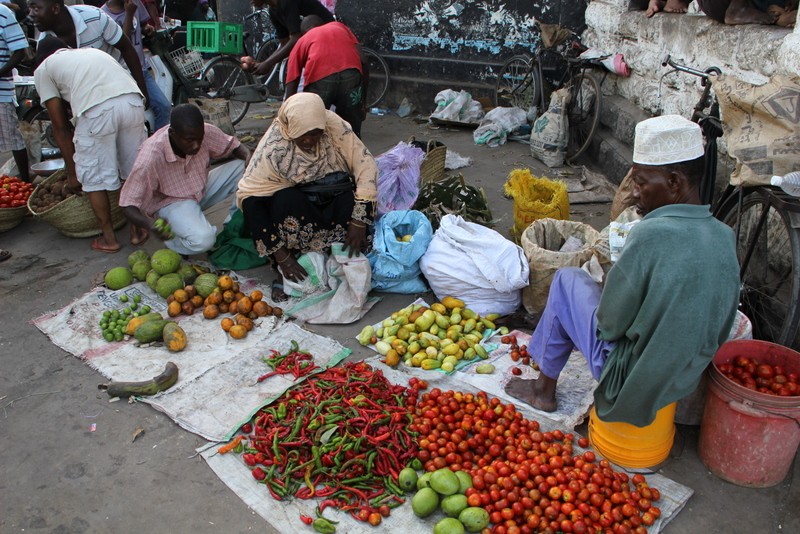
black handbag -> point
(323, 191)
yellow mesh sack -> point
(535, 198)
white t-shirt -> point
(84, 77)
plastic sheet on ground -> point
(284, 515)
(216, 389)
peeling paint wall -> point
(432, 45)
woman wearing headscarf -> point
(311, 183)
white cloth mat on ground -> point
(216, 389)
(284, 515)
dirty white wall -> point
(753, 53)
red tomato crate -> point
(214, 37)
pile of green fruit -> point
(113, 323)
(444, 490)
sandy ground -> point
(58, 476)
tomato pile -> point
(14, 192)
(528, 480)
(761, 377)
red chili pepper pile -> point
(294, 362)
(341, 435)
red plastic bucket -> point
(747, 437)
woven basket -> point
(432, 169)
(73, 216)
(11, 217)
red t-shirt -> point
(323, 51)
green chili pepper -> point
(281, 412)
(275, 450)
(323, 526)
(315, 454)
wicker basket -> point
(11, 217)
(432, 169)
(73, 216)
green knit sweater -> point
(669, 302)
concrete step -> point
(612, 145)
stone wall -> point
(753, 53)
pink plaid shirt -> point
(160, 177)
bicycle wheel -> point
(378, 77)
(583, 113)
(771, 276)
(223, 74)
(517, 84)
(275, 86)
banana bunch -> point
(435, 337)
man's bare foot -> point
(139, 235)
(539, 393)
(654, 7)
(677, 6)
(784, 18)
(739, 12)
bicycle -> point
(525, 81)
(228, 80)
(766, 222)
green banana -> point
(158, 383)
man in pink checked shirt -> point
(171, 180)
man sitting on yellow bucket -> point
(667, 304)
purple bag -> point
(398, 177)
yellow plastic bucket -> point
(632, 446)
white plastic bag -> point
(476, 264)
(497, 124)
(458, 107)
(335, 293)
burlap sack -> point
(623, 199)
(761, 125)
(541, 242)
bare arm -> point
(130, 12)
(62, 131)
(277, 56)
(16, 57)
(132, 61)
(242, 152)
(291, 88)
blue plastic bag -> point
(401, 238)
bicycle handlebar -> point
(668, 62)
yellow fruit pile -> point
(430, 338)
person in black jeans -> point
(330, 60)
(286, 16)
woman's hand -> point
(290, 269)
(356, 238)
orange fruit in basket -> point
(223, 307)
(238, 331)
(256, 295)
(196, 301)
(180, 295)
(244, 321)
(225, 282)
(227, 323)
(232, 307)
(228, 296)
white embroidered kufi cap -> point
(667, 139)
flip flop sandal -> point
(4, 255)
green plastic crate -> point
(215, 37)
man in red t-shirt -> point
(329, 57)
